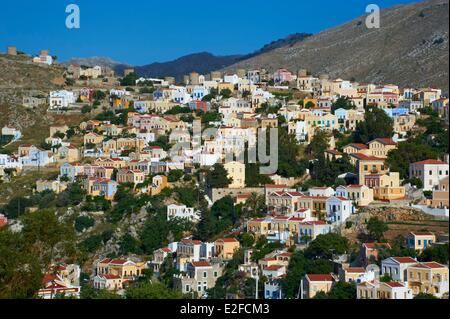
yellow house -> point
(380, 147)
(225, 85)
(351, 274)
(369, 165)
(355, 148)
(441, 194)
(130, 176)
(68, 154)
(159, 182)
(92, 138)
(313, 284)
(386, 186)
(259, 227)
(236, 171)
(361, 194)
(420, 240)
(111, 162)
(428, 277)
(225, 248)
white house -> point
(11, 131)
(300, 130)
(321, 191)
(181, 211)
(36, 158)
(396, 267)
(339, 209)
(231, 78)
(63, 98)
(430, 172)
(199, 92)
(7, 161)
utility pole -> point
(256, 290)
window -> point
(205, 274)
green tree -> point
(342, 102)
(20, 269)
(48, 236)
(438, 253)
(319, 144)
(175, 175)
(151, 290)
(129, 80)
(324, 246)
(411, 151)
(376, 228)
(16, 207)
(217, 177)
(226, 93)
(83, 222)
(376, 124)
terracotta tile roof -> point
(358, 146)
(200, 264)
(273, 268)
(191, 241)
(366, 157)
(118, 261)
(430, 162)
(404, 260)
(425, 233)
(394, 284)
(431, 264)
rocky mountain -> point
(290, 40)
(410, 48)
(203, 62)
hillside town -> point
(156, 192)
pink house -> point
(283, 75)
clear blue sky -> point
(141, 32)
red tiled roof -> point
(322, 277)
(358, 146)
(404, 260)
(394, 284)
(366, 157)
(430, 162)
(431, 264)
(423, 233)
(273, 267)
(190, 241)
(105, 261)
(200, 264)
(118, 261)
